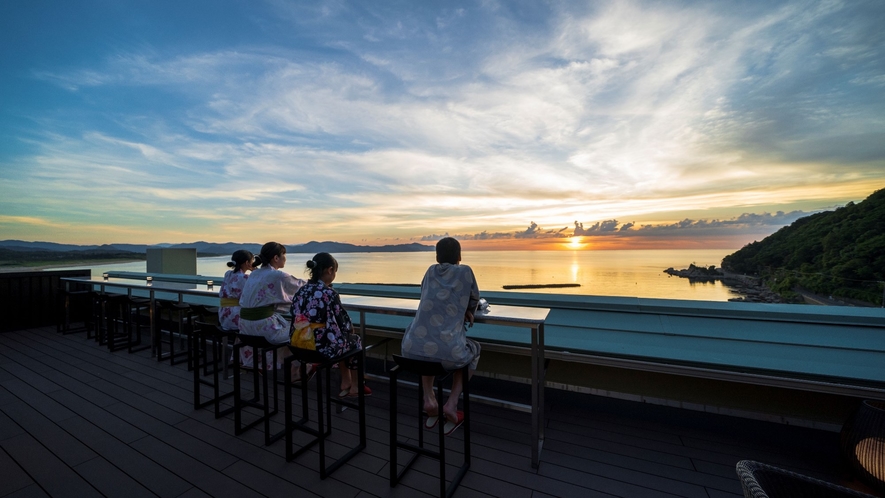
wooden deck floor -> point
(76, 420)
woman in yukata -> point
(317, 308)
(449, 296)
(242, 261)
(266, 297)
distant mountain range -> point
(211, 248)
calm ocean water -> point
(607, 273)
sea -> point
(629, 273)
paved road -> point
(812, 298)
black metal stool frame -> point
(199, 312)
(137, 304)
(211, 333)
(324, 417)
(183, 312)
(117, 312)
(261, 394)
(96, 316)
(101, 311)
(63, 319)
(436, 370)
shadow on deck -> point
(76, 420)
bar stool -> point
(435, 369)
(206, 314)
(137, 307)
(177, 323)
(116, 309)
(96, 330)
(323, 370)
(211, 335)
(261, 393)
(91, 317)
(68, 299)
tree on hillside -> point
(839, 253)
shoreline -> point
(753, 290)
(44, 265)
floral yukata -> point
(231, 288)
(269, 287)
(229, 314)
(318, 306)
(438, 332)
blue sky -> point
(507, 124)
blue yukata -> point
(439, 332)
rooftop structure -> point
(78, 420)
(75, 413)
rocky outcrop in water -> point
(696, 273)
(751, 290)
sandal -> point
(451, 427)
(431, 421)
(345, 393)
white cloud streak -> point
(396, 121)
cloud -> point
(28, 220)
(601, 227)
(536, 232)
(744, 222)
(344, 120)
(433, 237)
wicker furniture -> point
(863, 443)
(765, 481)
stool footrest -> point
(420, 450)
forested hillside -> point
(839, 253)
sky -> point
(509, 125)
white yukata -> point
(269, 286)
(439, 332)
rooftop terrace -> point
(77, 420)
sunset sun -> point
(575, 243)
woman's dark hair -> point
(239, 258)
(269, 250)
(448, 250)
(320, 262)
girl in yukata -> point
(317, 308)
(266, 298)
(242, 261)
(449, 296)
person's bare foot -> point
(450, 413)
(431, 408)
